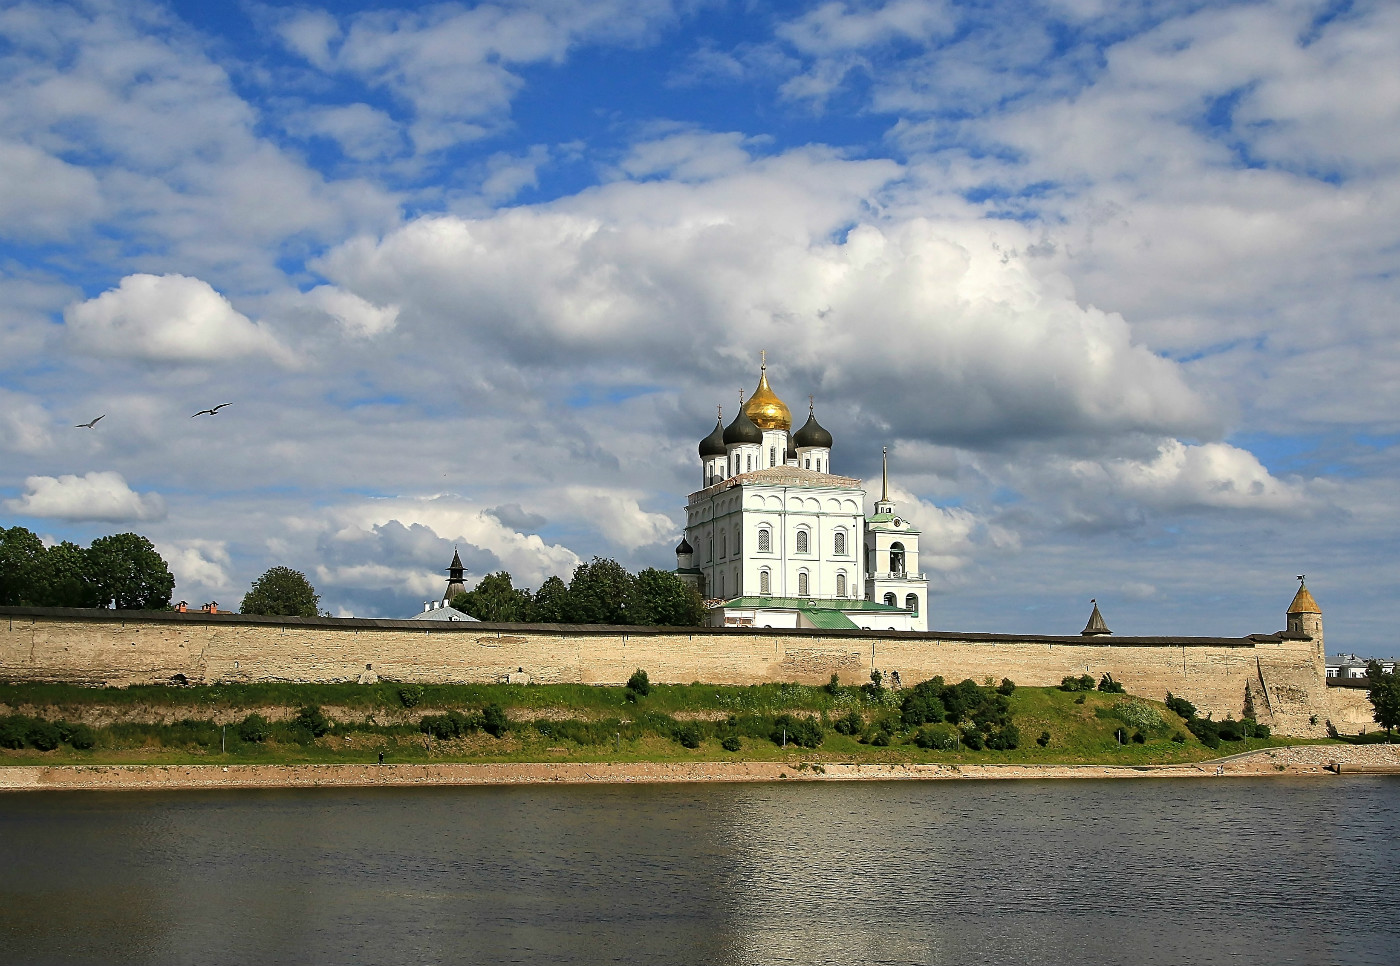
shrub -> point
(311, 720)
(1044, 739)
(731, 743)
(1006, 687)
(1006, 738)
(453, 724)
(1084, 682)
(1207, 732)
(881, 739)
(43, 735)
(832, 687)
(689, 735)
(1180, 706)
(1230, 730)
(1178, 737)
(1079, 700)
(12, 731)
(411, 695)
(1138, 714)
(850, 723)
(937, 737)
(638, 683)
(804, 731)
(80, 736)
(1139, 738)
(253, 728)
(972, 738)
(1109, 686)
(494, 721)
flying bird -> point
(210, 412)
(89, 425)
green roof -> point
(828, 619)
(837, 604)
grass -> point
(567, 722)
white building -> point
(774, 539)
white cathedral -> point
(774, 539)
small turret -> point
(1304, 616)
(1096, 626)
(455, 574)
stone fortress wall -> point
(1281, 678)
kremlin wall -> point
(1279, 676)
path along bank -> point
(1312, 760)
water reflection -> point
(978, 872)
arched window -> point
(765, 582)
(841, 584)
(772, 456)
(721, 586)
(765, 540)
(897, 559)
(840, 543)
(911, 603)
(890, 600)
(723, 545)
(802, 587)
(803, 541)
(749, 462)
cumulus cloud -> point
(197, 564)
(618, 516)
(169, 318)
(99, 495)
(355, 316)
(1181, 476)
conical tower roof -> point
(1096, 626)
(764, 407)
(1303, 602)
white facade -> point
(771, 521)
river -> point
(1148, 872)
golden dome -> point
(765, 408)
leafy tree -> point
(1384, 691)
(64, 580)
(639, 683)
(664, 600)
(126, 570)
(21, 566)
(494, 598)
(494, 721)
(601, 592)
(281, 592)
(254, 728)
(551, 603)
(312, 720)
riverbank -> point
(1299, 760)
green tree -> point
(664, 600)
(21, 567)
(65, 581)
(551, 603)
(125, 569)
(281, 592)
(601, 592)
(495, 598)
(1384, 691)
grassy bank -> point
(287, 723)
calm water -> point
(1143, 872)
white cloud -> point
(363, 133)
(43, 197)
(102, 496)
(618, 516)
(169, 318)
(355, 316)
(197, 564)
(24, 426)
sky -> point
(1114, 282)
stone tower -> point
(455, 577)
(1305, 618)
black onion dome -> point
(684, 547)
(742, 430)
(713, 444)
(812, 434)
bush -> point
(253, 728)
(689, 735)
(411, 695)
(1079, 700)
(494, 721)
(444, 727)
(1230, 730)
(1180, 706)
(1178, 737)
(1207, 732)
(43, 735)
(972, 738)
(1139, 738)
(310, 720)
(1084, 682)
(1006, 687)
(80, 736)
(832, 687)
(1138, 714)
(937, 737)
(12, 731)
(638, 683)
(731, 743)
(804, 731)
(1006, 738)
(1109, 686)
(850, 723)
(1044, 739)
(881, 739)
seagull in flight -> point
(89, 425)
(211, 412)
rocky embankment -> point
(1312, 760)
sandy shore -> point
(1314, 760)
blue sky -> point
(1113, 281)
